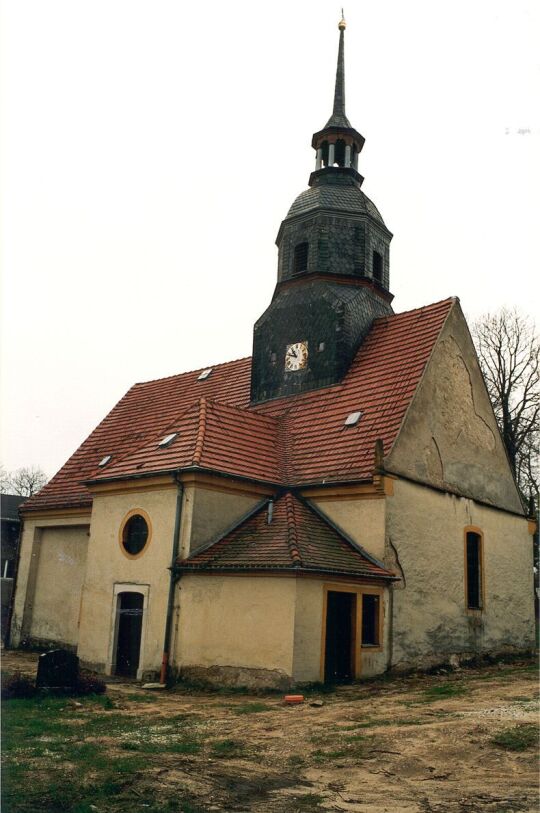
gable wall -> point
(50, 576)
(425, 544)
(450, 437)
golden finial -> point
(342, 25)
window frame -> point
(133, 513)
(473, 529)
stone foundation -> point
(238, 676)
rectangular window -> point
(474, 571)
(370, 620)
(377, 267)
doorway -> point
(128, 647)
(340, 637)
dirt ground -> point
(404, 745)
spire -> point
(338, 144)
(338, 117)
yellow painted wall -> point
(49, 580)
(237, 621)
(362, 519)
(109, 566)
(430, 619)
(308, 632)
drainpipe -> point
(172, 584)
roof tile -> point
(295, 440)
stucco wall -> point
(430, 619)
(109, 566)
(235, 621)
(450, 436)
(362, 519)
(213, 512)
(49, 580)
(308, 664)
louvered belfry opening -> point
(301, 252)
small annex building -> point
(336, 506)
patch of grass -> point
(517, 738)
(139, 698)
(252, 708)
(296, 761)
(309, 801)
(443, 691)
(227, 749)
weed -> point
(518, 738)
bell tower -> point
(333, 268)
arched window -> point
(339, 154)
(300, 257)
(377, 267)
(324, 155)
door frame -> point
(356, 644)
(126, 587)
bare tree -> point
(509, 353)
(25, 481)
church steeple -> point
(338, 143)
(338, 117)
(333, 269)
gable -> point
(449, 437)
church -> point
(336, 506)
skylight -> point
(353, 418)
(205, 374)
(167, 440)
(105, 460)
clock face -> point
(296, 356)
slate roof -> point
(297, 440)
(295, 536)
(338, 197)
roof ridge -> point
(292, 536)
(188, 372)
(199, 443)
(447, 300)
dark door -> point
(130, 612)
(340, 634)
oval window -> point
(135, 535)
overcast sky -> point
(151, 148)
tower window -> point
(377, 267)
(300, 258)
(473, 575)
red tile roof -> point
(297, 538)
(301, 439)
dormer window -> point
(377, 267)
(300, 258)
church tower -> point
(333, 269)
